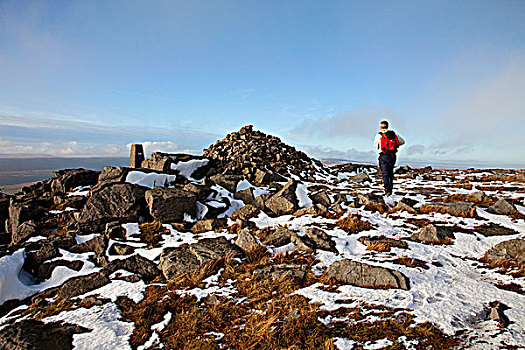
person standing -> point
(387, 142)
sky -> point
(89, 78)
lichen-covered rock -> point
(503, 207)
(321, 239)
(202, 226)
(246, 240)
(246, 213)
(462, 209)
(368, 276)
(285, 201)
(65, 180)
(83, 284)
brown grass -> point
(463, 197)
(54, 308)
(353, 224)
(411, 262)
(507, 266)
(151, 233)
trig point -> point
(136, 156)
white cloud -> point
(330, 153)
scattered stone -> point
(281, 236)
(32, 334)
(246, 240)
(174, 261)
(311, 210)
(136, 264)
(285, 201)
(98, 245)
(121, 249)
(503, 207)
(245, 195)
(367, 276)
(228, 182)
(21, 211)
(111, 175)
(360, 178)
(246, 213)
(83, 284)
(433, 234)
(496, 313)
(383, 242)
(513, 250)
(370, 202)
(208, 249)
(321, 239)
(171, 204)
(321, 197)
(45, 270)
(202, 226)
(492, 229)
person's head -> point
(384, 125)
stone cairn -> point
(251, 153)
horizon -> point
(89, 79)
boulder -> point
(370, 202)
(367, 276)
(321, 197)
(406, 204)
(45, 270)
(4, 211)
(24, 231)
(65, 180)
(492, 229)
(32, 334)
(285, 201)
(503, 207)
(114, 203)
(433, 234)
(170, 204)
(281, 236)
(513, 250)
(246, 240)
(264, 177)
(246, 213)
(112, 175)
(83, 284)
(321, 239)
(135, 264)
(208, 249)
(228, 182)
(201, 191)
(35, 258)
(202, 226)
(174, 261)
(21, 211)
(97, 245)
(245, 195)
(121, 249)
(359, 178)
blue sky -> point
(90, 77)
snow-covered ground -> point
(454, 293)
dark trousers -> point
(387, 163)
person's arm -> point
(401, 140)
(377, 142)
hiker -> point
(387, 142)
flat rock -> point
(321, 239)
(278, 271)
(83, 284)
(34, 335)
(246, 240)
(462, 209)
(503, 207)
(170, 204)
(285, 201)
(368, 276)
(174, 261)
(136, 264)
(246, 213)
(281, 236)
(202, 226)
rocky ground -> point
(254, 245)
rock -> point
(359, 178)
(321, 239)
(174, 261)
(367, 276)
(245, 195)
(35, 258)
(432, 234)
(32, 334)
(285, 201)
(202, 226)
(370, 202)
(112, 175)
(321, 197)
(404, 169)
(246, 240)
(158, 161)
(21, 211)
(462, 209)
(121, 249)
(4, 211)
(98, 245)
(172, 163)
(228, 182)
(208, 249)
(65, 180)
(83, 284)
(246, 213)
(496, 314)
(170, 204)
(114, 203)
(503, 207)
(24, 231)
(311, 210)
(282, 271)
(259, 201)
(513, 250)
(45, 270)
(201, 191)
(187, 259)
(264, 177)
(492, 229)
(135, 264)
(281, 236)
